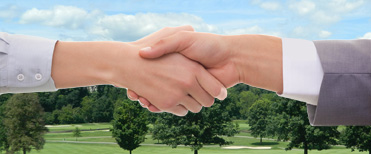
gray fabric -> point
(345, 94)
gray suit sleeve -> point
(345, 94)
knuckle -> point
(171, 102)
(187, 83)
(167, 105)
(166, 28)
(189, 27)
(195, 68)
(183, 33)
(161, 42)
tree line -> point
(267, 114)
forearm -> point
(258, 60)
(77, 64)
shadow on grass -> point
(264, 143)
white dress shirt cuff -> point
(302, 71)
(28, 64)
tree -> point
(129, 125)
(69, 115)
(196, 129)
(3, 136)
(63, 97)
(3, 142)
(246, 99)
(357, 137)
(97, 108)
(257, 118)
(289, 121)
(76, 133)
(24, 123)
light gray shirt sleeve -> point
(302, 70)
(25, 64)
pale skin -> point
(255, 60)
(171, 83)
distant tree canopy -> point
(24, 123)
(267, 114)
(80, 105)
(196, 129)
(357, 137)
(3, 135)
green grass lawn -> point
(64, 148)
(152, 147)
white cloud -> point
(250, 30)
(367, 36)
(325, 12)
(344, 5)
(255, 1)
(299, 31)
(122, 27)
(59, 16)
(324, 34)
(303, 7)
(324, 17)
(270, 6)
(129, 27)
(9, 11)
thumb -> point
(174, 43)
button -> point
(38, 76)
(20, 77)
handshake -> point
(186, 70)
(174, 70)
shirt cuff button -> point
(38, 76)
(20, 77)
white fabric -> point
(25, 64)
(302, 70)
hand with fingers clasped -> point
(255, 60)
(172, 83)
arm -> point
(341, 88)
(185, 83)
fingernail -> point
(146, 49)
(131, 98)
(141, 104)
(223, 94)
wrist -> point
(78, 64)
(123, 65)
(258, 60)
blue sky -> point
(128, 20)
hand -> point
(172, 83)
(151, 40)
(208, 49)
(252, 59)
(211, 82)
